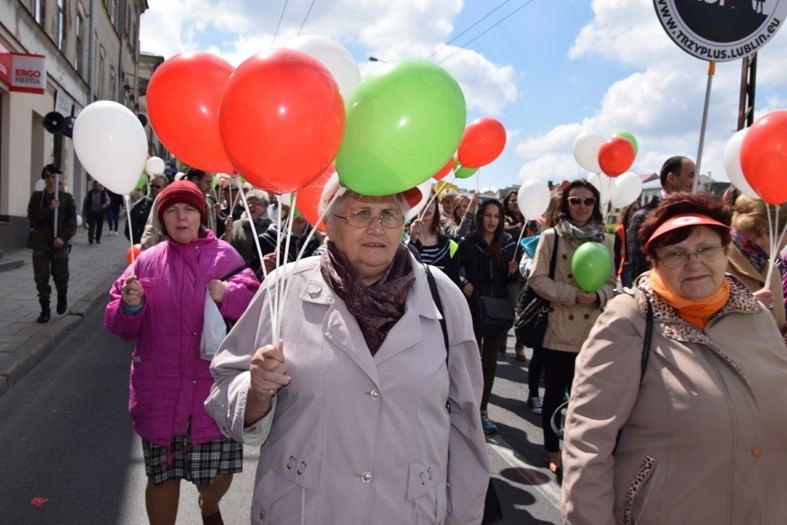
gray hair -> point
(259, 195)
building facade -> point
(69, 53)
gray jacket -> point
(356, 438)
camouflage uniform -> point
(41, 218)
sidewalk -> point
(23, 342)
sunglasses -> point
(576, 201)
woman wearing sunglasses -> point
(695, 433)
(572, 311)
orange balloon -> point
(281, 120)
(482, 142)
(183, 105)
(764, 157)
(616, 156)
(134, 251)
(308, 200)
(445, 170)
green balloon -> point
(629, 137)
(403, 120)
(462, 173)
(591, 266)
(143, 179)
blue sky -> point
(550, 70)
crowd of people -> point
(371, 404)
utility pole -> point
(748, 85)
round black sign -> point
(721, 30)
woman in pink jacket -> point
(159, 301)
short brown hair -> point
(681, 203)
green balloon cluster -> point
(403, 120)
(591, 266)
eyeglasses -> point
(576, 201)
(681, 258)
(364, 219)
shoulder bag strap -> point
(553, 260)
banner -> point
(25, 73)
(721, 30)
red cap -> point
(684, 221)
(181, 191)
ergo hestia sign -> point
(721, 30)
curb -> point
(28, 354)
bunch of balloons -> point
(608, 162)
(612, 157)
(755, 159)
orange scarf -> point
(696, 312)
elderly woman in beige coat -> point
(750, 251)
(699, 437)
(572, 311)
(361, 415)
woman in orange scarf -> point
(682, 423)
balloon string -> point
(285, 281)
(256, 243)
(429, 202)
(521, 233)
(771, 243)
(57, 196)
(311, 234)
(130, 229)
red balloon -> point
(764, 157)
(483, 142)
(183, 105)
(616, 156)
(445, 170)
(134, 251)
(281, 119)
(308, 200)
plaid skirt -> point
(198, 464)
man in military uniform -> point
(51, 246)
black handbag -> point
(532, 312)
(495, 313)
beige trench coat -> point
(356, 438)
(569, 322)
(704, 437)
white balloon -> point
(155, 166)
(585, 150)
(426, 194)
(79, 220)
(627, 189)
(533, 198)
(40, 185)
(111, 145)
(732, 164)
(333, 56)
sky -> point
(547, 70)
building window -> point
(78, 63)
(101, 74)
(38, 10)
(113, 11)
(60, 24)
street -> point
(70, 454)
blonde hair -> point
(751, 216)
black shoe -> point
(90, 241)
(98, 242)
(44, 317)
(62, 303)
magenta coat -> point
(169, 382)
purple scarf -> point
(378, 307)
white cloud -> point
(661, 103)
